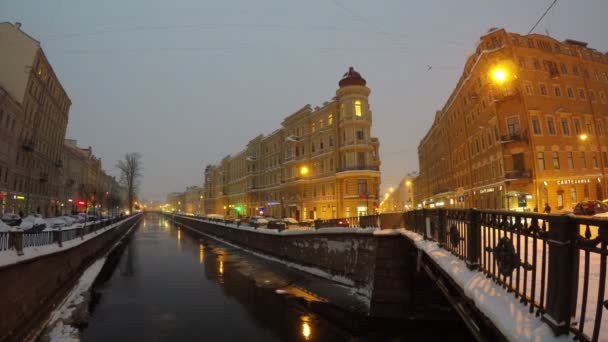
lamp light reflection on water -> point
(306, 329)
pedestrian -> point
(21, 213)
(547, 209)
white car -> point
(55, 223)
(33, 223)
(257, 221)
(290, 221)
(4, 227)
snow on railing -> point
(3, 241)
(553, 264)
(37, 239)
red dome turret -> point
(351, 77)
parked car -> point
(4, 227)
(290, 222)
(276, 224)
(55, 223)
(307, 223)
(257, 221)
(590, 208)
(342, 223)
(33, 224)
(12, 220)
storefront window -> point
(586, 191)
(560, 200)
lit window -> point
(313, 127)
(543, 89)
(358, 108)
(320, 123)
(330, 119)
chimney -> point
(18, 25)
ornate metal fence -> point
(554, 264)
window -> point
(330, 119)
(575, 70)
(557, 91)
(586, 191)
(312, 147)
(550, 125)
(591, 95)
(581, 93)
(331, 140)
(358, 108)
(605, 159)
(583, 160)
(361, 159)
(573, 194)
(513, 126)
(543, 89)
(362, 186)
(594, 159)
(360, 135)
(563, 69)
(541, 160)
(565, 127)
(577, 126)
(570, 92)
(522, 62)
(528, 88)
(589, 127)
(320, 123)
(556, 160)
(536, 126)
(570, 161)
(536, 64)
(602, 96)
(312, 127)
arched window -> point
(358, 108)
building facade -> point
(322, 163)
(524, 127)
(401, 197)
(38, 116)
(193, 197)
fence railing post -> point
(473, 240)
(15, 240)
(57, 237)
(562, 274)
(441, 226)
(80, 232)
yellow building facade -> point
(322, 163)
(524, 127)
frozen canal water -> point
(170, 285)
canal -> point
(171, 285)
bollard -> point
(15, 240)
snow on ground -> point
(10, 256)
(74, 308)
(510, 316)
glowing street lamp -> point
(391, 189)
(408, 183)
(304, 170)
(583, 137)
(499, 75)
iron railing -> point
(554, 264)
(17, 240)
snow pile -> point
(501, 307)
(73, 310)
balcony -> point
(513, 137)
(358, 168)
(518, 174)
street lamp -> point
(304, 170)
(583, 137)
(499, 75)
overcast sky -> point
(188, 82)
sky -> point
(187, 82)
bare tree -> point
(130, 174)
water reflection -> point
(226, 295)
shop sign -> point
(486, 190)
(573, 181)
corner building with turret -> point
(322, 163)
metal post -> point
(441, 229)
(57, 237)
(473, 240)
(562, 274)
(15, 240)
